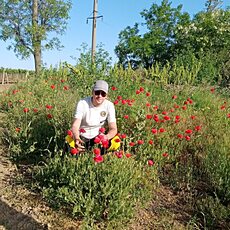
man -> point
(90, 116)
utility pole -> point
(95, 17)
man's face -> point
(98, 97)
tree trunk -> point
(36, 39)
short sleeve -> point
(111, 113)
(79, 110)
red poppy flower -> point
(174, 97)
(113, 88)
(212, 90)
(82, 130)
(188, 138)
(49, 106)
(62, 80)
(97, 151)
(188, 131)
(126, 116)
(119, 154)
(131, 144)
(66, 87)
(140, 142)
(128, 155)
(52, 86)
(119, 97)
(193, 117)
(35, 110)
(74, 151)
(154, 131)
(148, 104)
(161, 130)
(151, 162)
(165, 154)
(17, 130)
(123, 136)
(115, 102)
(149, 116)
(97, 140)
(138, 91)
(198, 128)
(148, 94)
(228, 115)
(155, 107)
(98, 159)
(49, 116)
(123, 102)
(180, 136)
(167, 118)
(150, 142)
(102, 130)
(26, 110)
(69, 132)
(142, 89)
(184, 107)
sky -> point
(117, 15)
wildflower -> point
(155, 107)
(113, 88)
(35, 110)
(193, 117)
(69, 132)
(223, 107)
(165, 154)
(26, 110)
(102, 130)
(174, 97)
(74, 151)
(124, 102)
(62, 80)
(149, 116)
(150, 162)
(188, 131)
(148, 104)
(123, 136)
(142, 89)
(212, 90)
(119, 97)
(184, 107)
(98, 159)
(65, 87)
(49, 106)
(150, 142)
(97, 151)
(138, 91)
(187, 138)
(148, 94)
(131, 144)
(52, 86)
(177, 117)
(49, 116)
(97, 140)
(154, 131)
(167, 118)
(119, 154)
(82, 130)
(126, 116)
(140, 142)
(161, 130)
(198, 128)
(128, 155)
(180, 136)
(115, 102)
(17, 130)
(164, 112)
(228, 115)
(176, 106)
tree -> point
(156, 45)
(28, 23)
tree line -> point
(171, 36)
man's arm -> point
(112, 130)
(75, 129)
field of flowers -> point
(172, 134)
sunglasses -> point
(98, 92)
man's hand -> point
(79, 145)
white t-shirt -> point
(93, 118)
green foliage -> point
(94, 192)
(170, 131)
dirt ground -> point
(20, 209)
